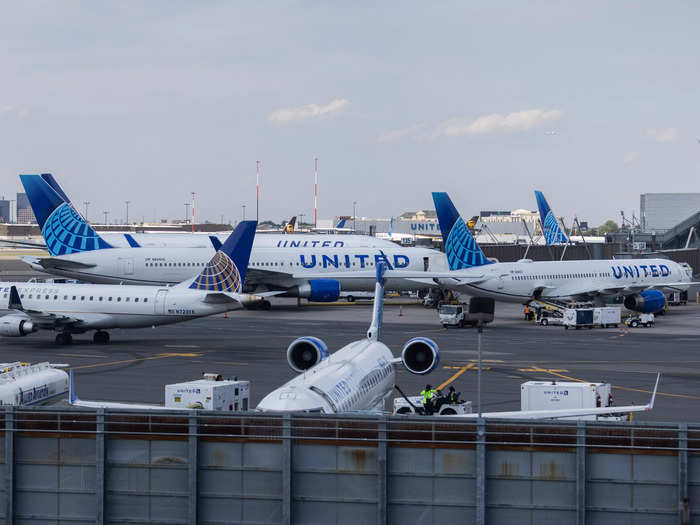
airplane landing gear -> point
(100, 338)
(265, 304)
(64, 338)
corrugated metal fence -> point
(77, 466)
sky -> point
(592, 103)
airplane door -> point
(426, 264)
(500, 282)
(127, 266)
(159, 304)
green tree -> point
(608, 226)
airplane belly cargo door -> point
(426, 264)
(126, 266)
(159, 304)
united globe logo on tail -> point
(66, 232)
(461, 248)
(220, 274)
(552, 231)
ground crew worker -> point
(453, 396)
(527, 313)
(428, 393)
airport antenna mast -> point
(193, 212)
(315, 192)
(257, 190)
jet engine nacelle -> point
(647, 302)
(306, 352)
(420, 355)
(13, 326)
(320, 290)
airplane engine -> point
(420, 355)
(320, 290)
(306, 352)
(13, 326)
(647, 302)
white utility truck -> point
(401, 406)
(210, 393)
(24, 384)
(558, 395)
(637, 320)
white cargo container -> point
(607, 316)
(209, 394)
(578, 317)
(558, 395)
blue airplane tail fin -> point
(553, 233)
(63, 229)
(341, 223)
(225, 272)
(461, 248)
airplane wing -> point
(260, 275)
(452, 277)
(25, 244)
(45, 320)
(592, 291)
(565, 413)
(55, 262)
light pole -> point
(87, 203)
(243, 206)
(106, 213)
(187, 212)
(15, 207)
(127, 211)
(354, 217)
(301, 221)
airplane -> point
(639, 281)
(358, 377)
(78, 308)
(553, 233)
(290, 265)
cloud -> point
(486, 124)
(630, 157)
(663, 135)
(310, 111)
(523, 120)
(394, 134)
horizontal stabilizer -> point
(56, 263)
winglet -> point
(15, 302)
(225, 272)
(132, 242)
(553, 233)
(653, 395)
(375, 329)
(461, 248)
(72, 394)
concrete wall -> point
(79, 466)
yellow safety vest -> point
(427, 395)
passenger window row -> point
(82, 297)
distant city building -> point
(25, 215)
(5, 211)
(662, 211)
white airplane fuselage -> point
(517, 281)
(282, 263)
(108, 306)
(359, 376)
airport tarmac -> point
(252, 345)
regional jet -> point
(78, 308)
